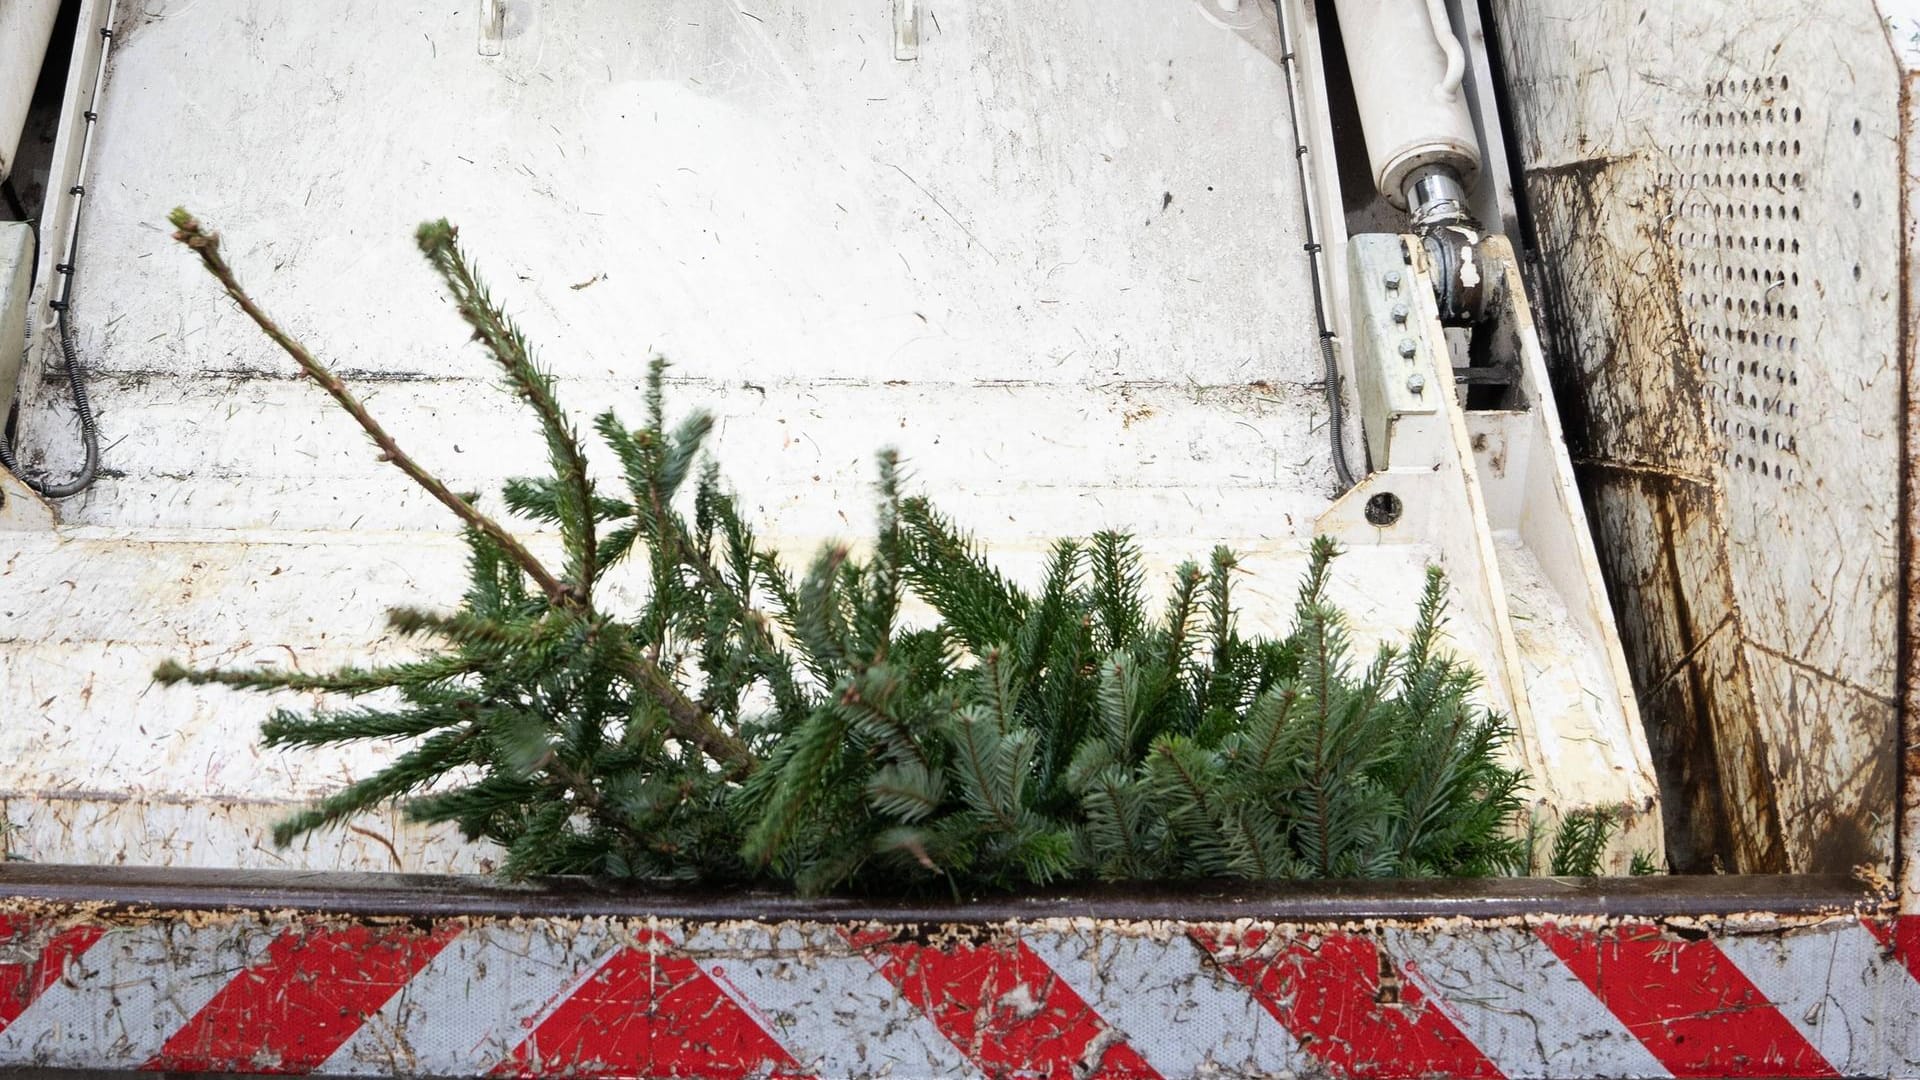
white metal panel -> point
(16, 283)
(1058, 260)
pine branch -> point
(799, 779)
(688, 722)
(910, 792)
(1017, 741)
(286, 728)
(1265, 740)
(1117, 582)
(475, 631)
(438, 241)
(658, 472)
(1120, 705)
(349, 681)
(820, 618)
(410, 771)
(875, 615)
(1219, 603)
(1225, 687)
(473, 803)
(1580, 843)
(1432, 615)
(207, 245)
(949, 570)
(539, 498)
(981, 756)
(871, 701)
(994, 688)
(1188, 782)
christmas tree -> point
(750, 723)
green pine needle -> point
(743, 724)
(1580, 844)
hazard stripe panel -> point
(469, 1007)
(1901, 938)
(649, 1012)
(1348, 1003)
(293, 1009)
(1686, 1002)
(1507, 992)
(825, 1001)
(1842, 989)
(1183, 1025)
(1003, 1007)
(104, 1009)
(28, 968)
(287, 993)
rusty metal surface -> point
(1720, 260)
(1903, 26)
(263, 973)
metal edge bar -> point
(429, 896)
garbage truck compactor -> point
(1604, 309)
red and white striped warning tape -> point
(1062, 1000)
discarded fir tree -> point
(750, 725)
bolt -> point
(1393, 280)
(1400, 313)
(1408, 348)
(1416, 382)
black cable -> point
(76, 375)
(1336, 409)
(89, 430)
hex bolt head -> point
(1400, 313)
(1416, 382)
(1408, 348)
(1393, 280)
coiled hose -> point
(82, 407)
(76, 375)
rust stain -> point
(1629, 374)
(1628, 379)
(1755, 839)
(1907, 676)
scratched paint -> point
(1723, 264)
(1748, 996)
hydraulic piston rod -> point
(1421, 143)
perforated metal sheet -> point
(1718, 195)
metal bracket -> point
(1394, 357)
(493, 27)
(906, 29)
